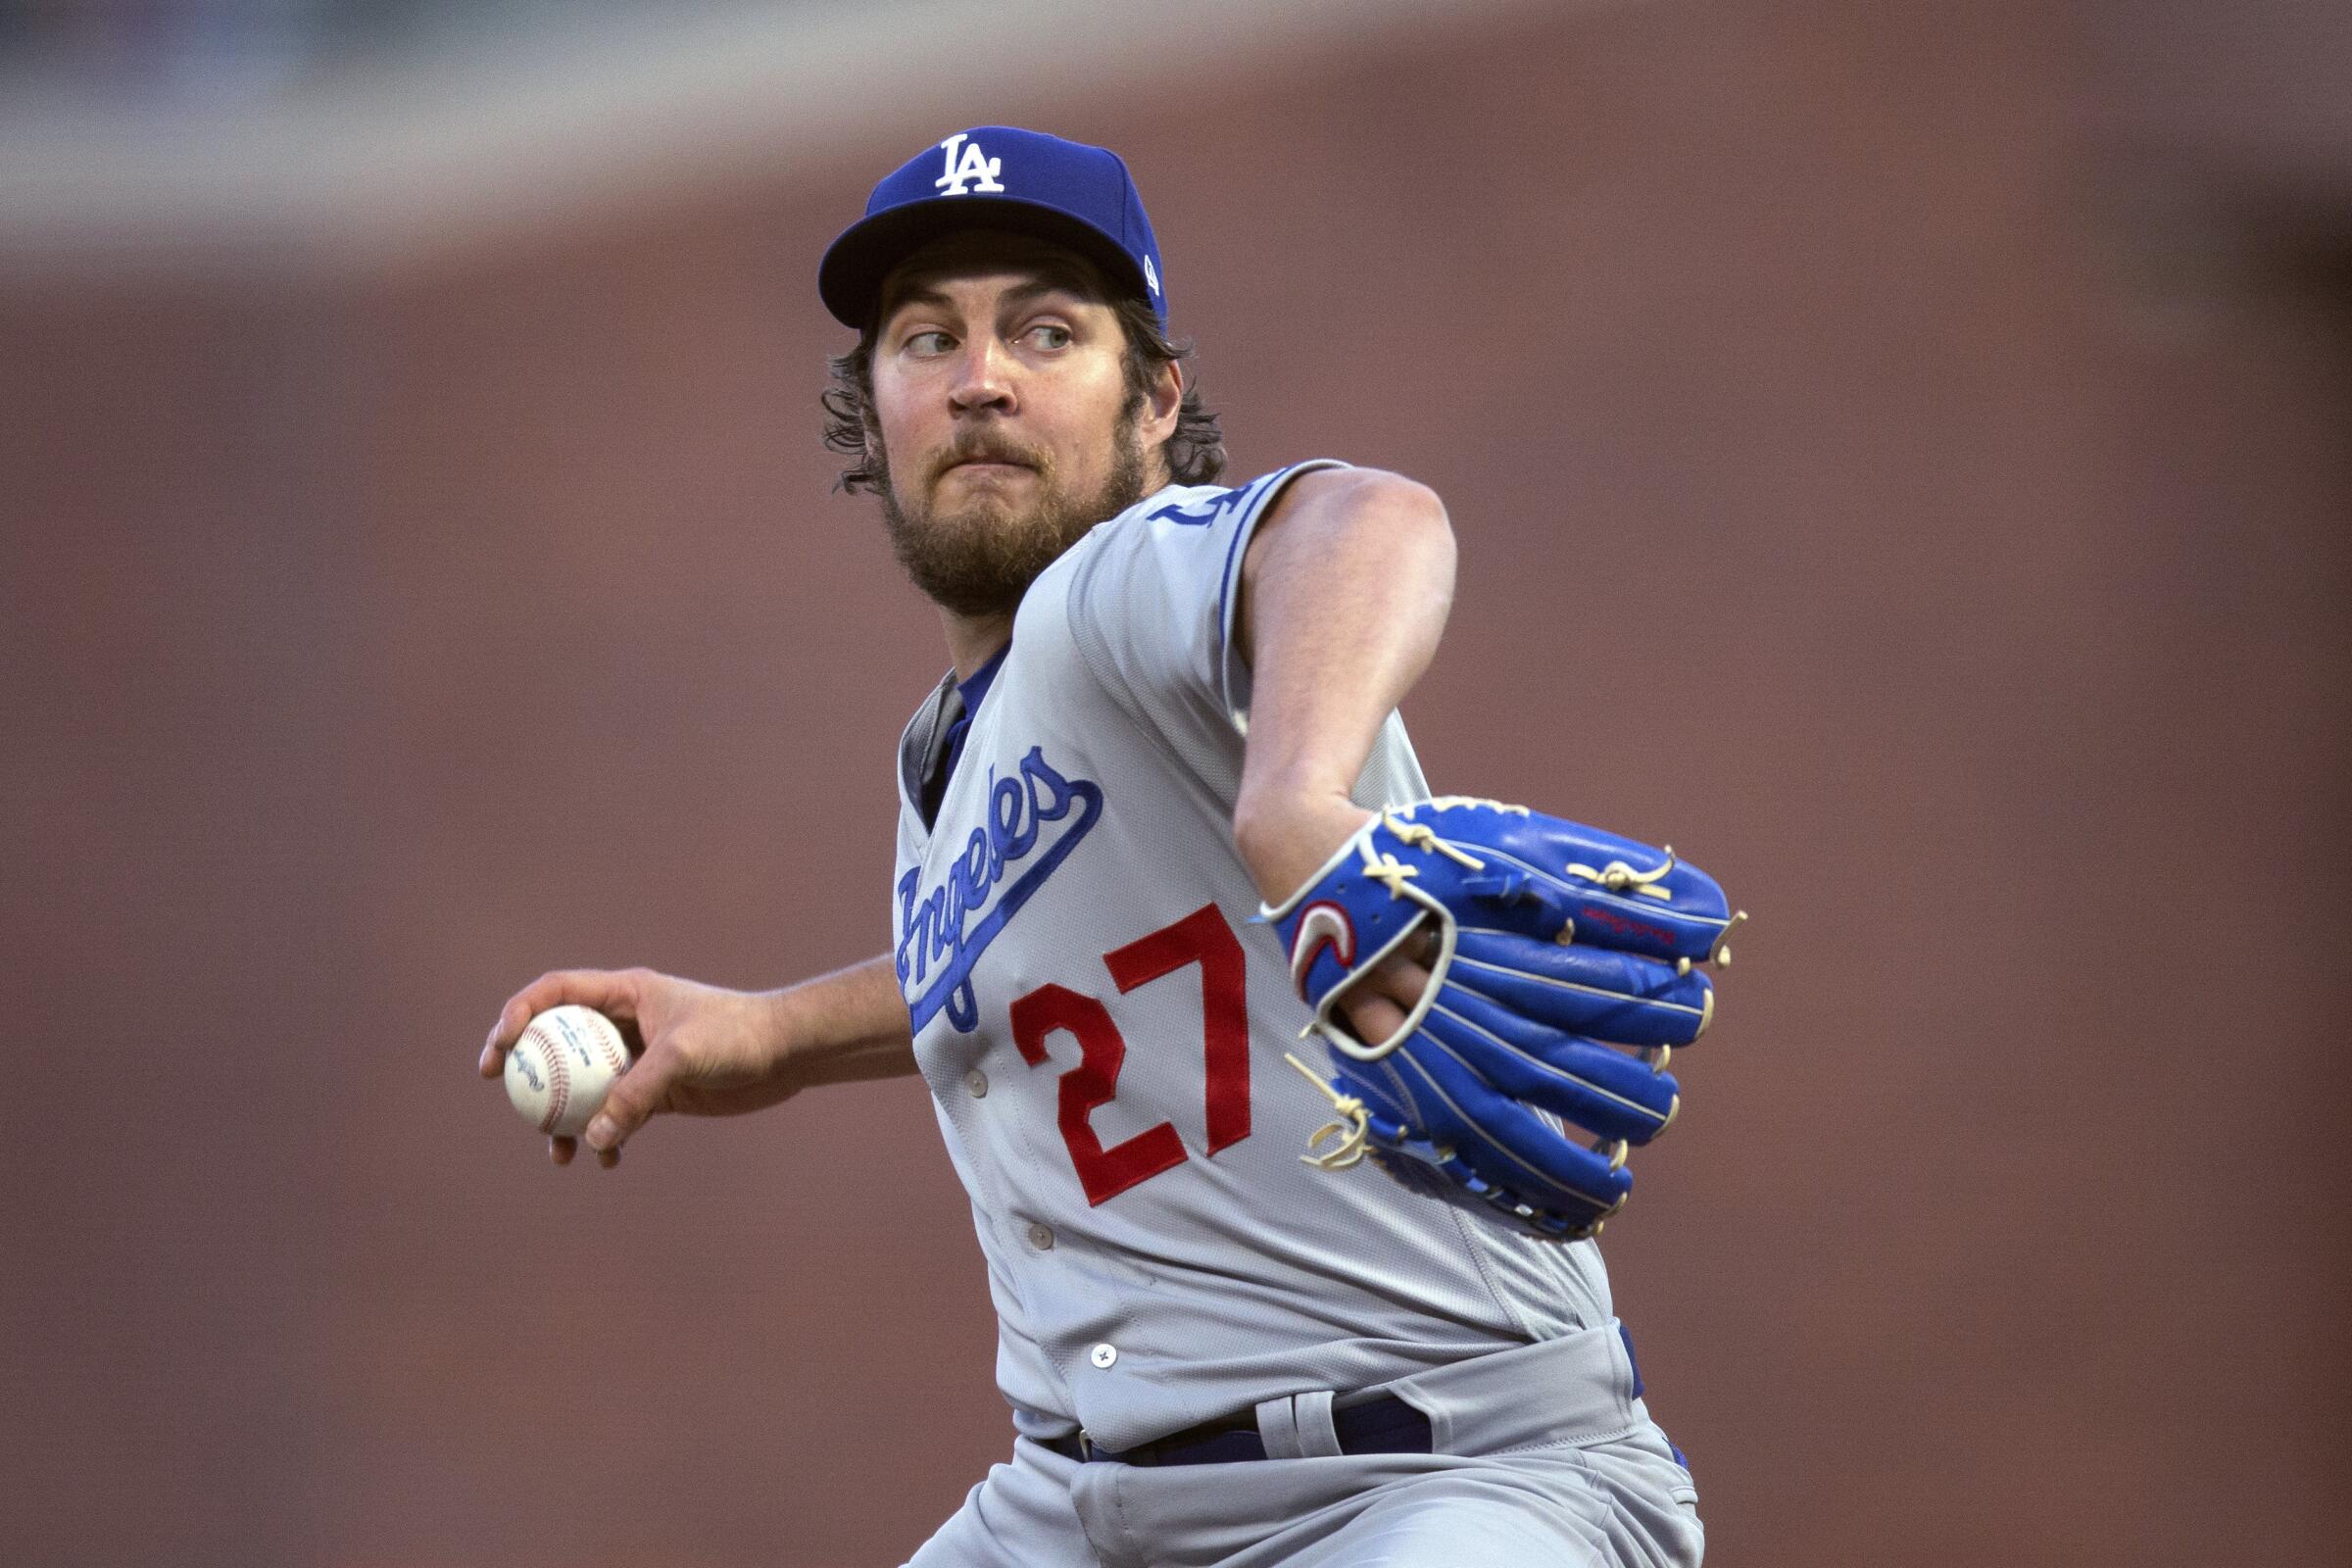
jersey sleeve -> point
(1152, 607)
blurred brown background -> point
(1900, 446)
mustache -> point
(989, 446)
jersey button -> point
(1041, 1236)
(1102, 1356)
(977, 1082)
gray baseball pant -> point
(1543, 1456)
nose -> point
(984, 377)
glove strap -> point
(1398, 877)
(1378, 863)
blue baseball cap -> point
(996, 177)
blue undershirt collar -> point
(971, 692)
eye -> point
(1048, 335)
(926, 343)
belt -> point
(1382, 1425)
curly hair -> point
(1195, 451)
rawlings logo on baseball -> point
(937, 925)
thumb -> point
(633, 1098)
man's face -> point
(999, 386)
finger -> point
(560, 1149)
(1401, 981)
(1378, 1005)
(1374, 1017)
(631, 1101)
(608, 1157)
(611, 991)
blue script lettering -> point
(1201, 513)
(933, 930)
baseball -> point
(559, 1071)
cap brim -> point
(850, 278)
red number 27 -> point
(1202, 936)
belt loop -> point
(1299, 1427)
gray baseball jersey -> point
(1103, 1027)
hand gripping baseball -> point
(1555, 944)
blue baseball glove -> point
(1555, 944)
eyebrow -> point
(1054, 281)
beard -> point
(978, 558)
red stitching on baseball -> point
(617, 1050)
(559, 1078)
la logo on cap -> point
(973, 165)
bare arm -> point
(702, 1051)
(1345, 592)
(848, 1026)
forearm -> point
(847, 1026)
(1344, 601)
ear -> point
(1160, 408)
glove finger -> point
(1504, 1142)
(1688, 921)
(1605, 1092)
(1579, 989)
(1437, 1171)
(1539, 871)
(1420, 1166)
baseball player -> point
(1160, 817)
